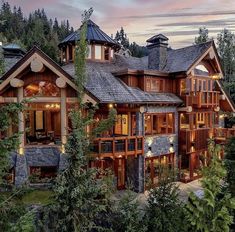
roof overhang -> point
(137, 72)
(227, 97)
(211, 51)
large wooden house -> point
(168, 104)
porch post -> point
(63, 116)
(20, 97)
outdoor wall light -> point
(149, 154)
(171, 149)
(149, 141)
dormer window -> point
(111, 54)
(101, 47)
(98, 52)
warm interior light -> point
(52, 106)
(149, 154)
(62, 149)
(110, 106)
(21, 150)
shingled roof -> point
(110, 89)
(94, 34)
(180, 60)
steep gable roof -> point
(180, 60)
(36, 53)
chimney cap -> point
(157, 38)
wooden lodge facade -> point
(168, 105)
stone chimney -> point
(157, 57)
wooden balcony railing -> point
(222, 134)
(202, 99)
(193, 140)
(119, 146)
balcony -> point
(223, 134)
(118, 146)
(202, 99)
(194, 140)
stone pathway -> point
(185, 189)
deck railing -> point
(224, 133)
(197, 139)
(202, 99)
(194, 140)
(118, 146)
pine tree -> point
(80, 198)
(127, 215)
(203, 35)
(230, 164)
(164, 210)
(211, 212)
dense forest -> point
(38, 29)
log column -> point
(60, 82)
(20, 96)
(17, 83)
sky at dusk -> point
(179, 20)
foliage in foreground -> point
(165, 211)
(212, 211)
(80, 198)
(127, 215)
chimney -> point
(157, 57)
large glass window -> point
(159, 123)
(98, 52)
(41, 88)
(184, 121)
(154, 85)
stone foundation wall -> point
(36, 156)
(135, 172)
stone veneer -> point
(157, 144)
(36, 156)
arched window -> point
(41, 89)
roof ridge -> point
(193, 45)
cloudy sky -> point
(141, 19)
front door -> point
(120, 172)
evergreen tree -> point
(80, 198)
(226, 46)
(121, 38)
(2, 65)
(127, 215)
(230, 164)
(211, 212)
(165, 211)
(203, 35)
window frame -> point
(167, 124)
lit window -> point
(98, 52)
(159, 124)
(89, 52)
(111, 54)
(41, 88)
